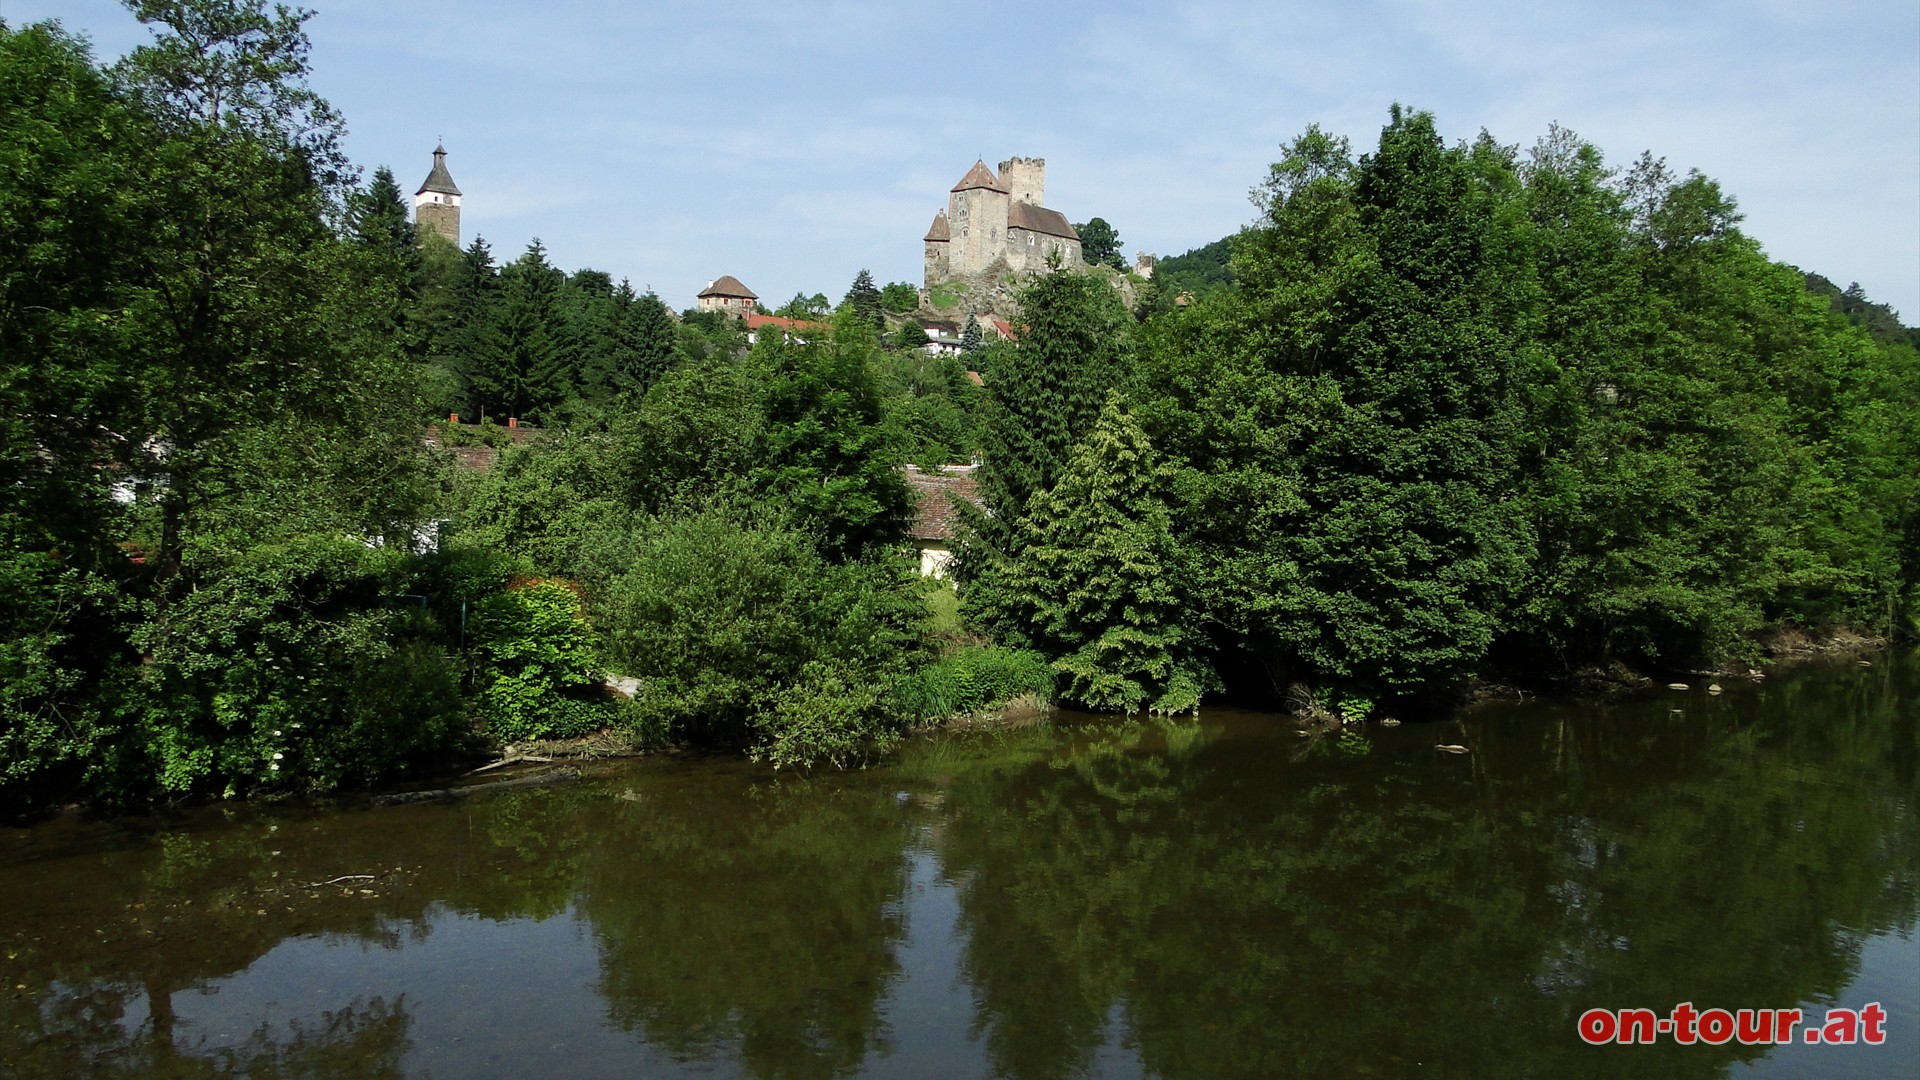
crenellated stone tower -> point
(436, 205)
(1025, 179)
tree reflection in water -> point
(1217, 898)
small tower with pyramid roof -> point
(436, 205)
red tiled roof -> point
(938, 230)
(974, 378)
(1005, 328)
(781, 322)
(979, 177)
(935, 514)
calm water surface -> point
(1219, 897)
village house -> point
(937, 496)
(726, 294)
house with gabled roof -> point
(937, 497)
(726, 294)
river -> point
(1210, 897)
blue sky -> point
(791, 144)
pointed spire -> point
(439, 179)
(979, 177)
(939, 231)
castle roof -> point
(728, 285)
(939, 231)
(439, 179)
(1025, 215)
(979, 177)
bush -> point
(293, 665)
(534, 664)
(66, 677)
(744, 636)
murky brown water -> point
(1211, 898)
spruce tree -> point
(1094, 585)
(1044, 392)
(864, 298)
(469, 349)
(534, 371)
(972, 342)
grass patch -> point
(943, 604)
(973, 679)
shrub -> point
(293, 665)
(534, 664)
(744, 636)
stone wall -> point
(439, 217)
(1028, 250)
(978, 223)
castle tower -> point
(436, 205)
(1025, 179)
(976, 221)
(938, 240)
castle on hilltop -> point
(999, 223)
(436, 206)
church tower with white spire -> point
(436, 205)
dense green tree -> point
(912, 335)
(1095, 586)
(932, 409)
(535, 367)
(1347, 430)
(745, 636)
(864, 297)
(899, 297)
(1100, 244)
(803, 306)
(824, 457)
(691, 439)
(1045, 390)
(71, 212)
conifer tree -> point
(1094, 585)
(1044, 392)
(972, 342)
(534, 368)
(864, 298)
(643, 342)
(469, 346)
